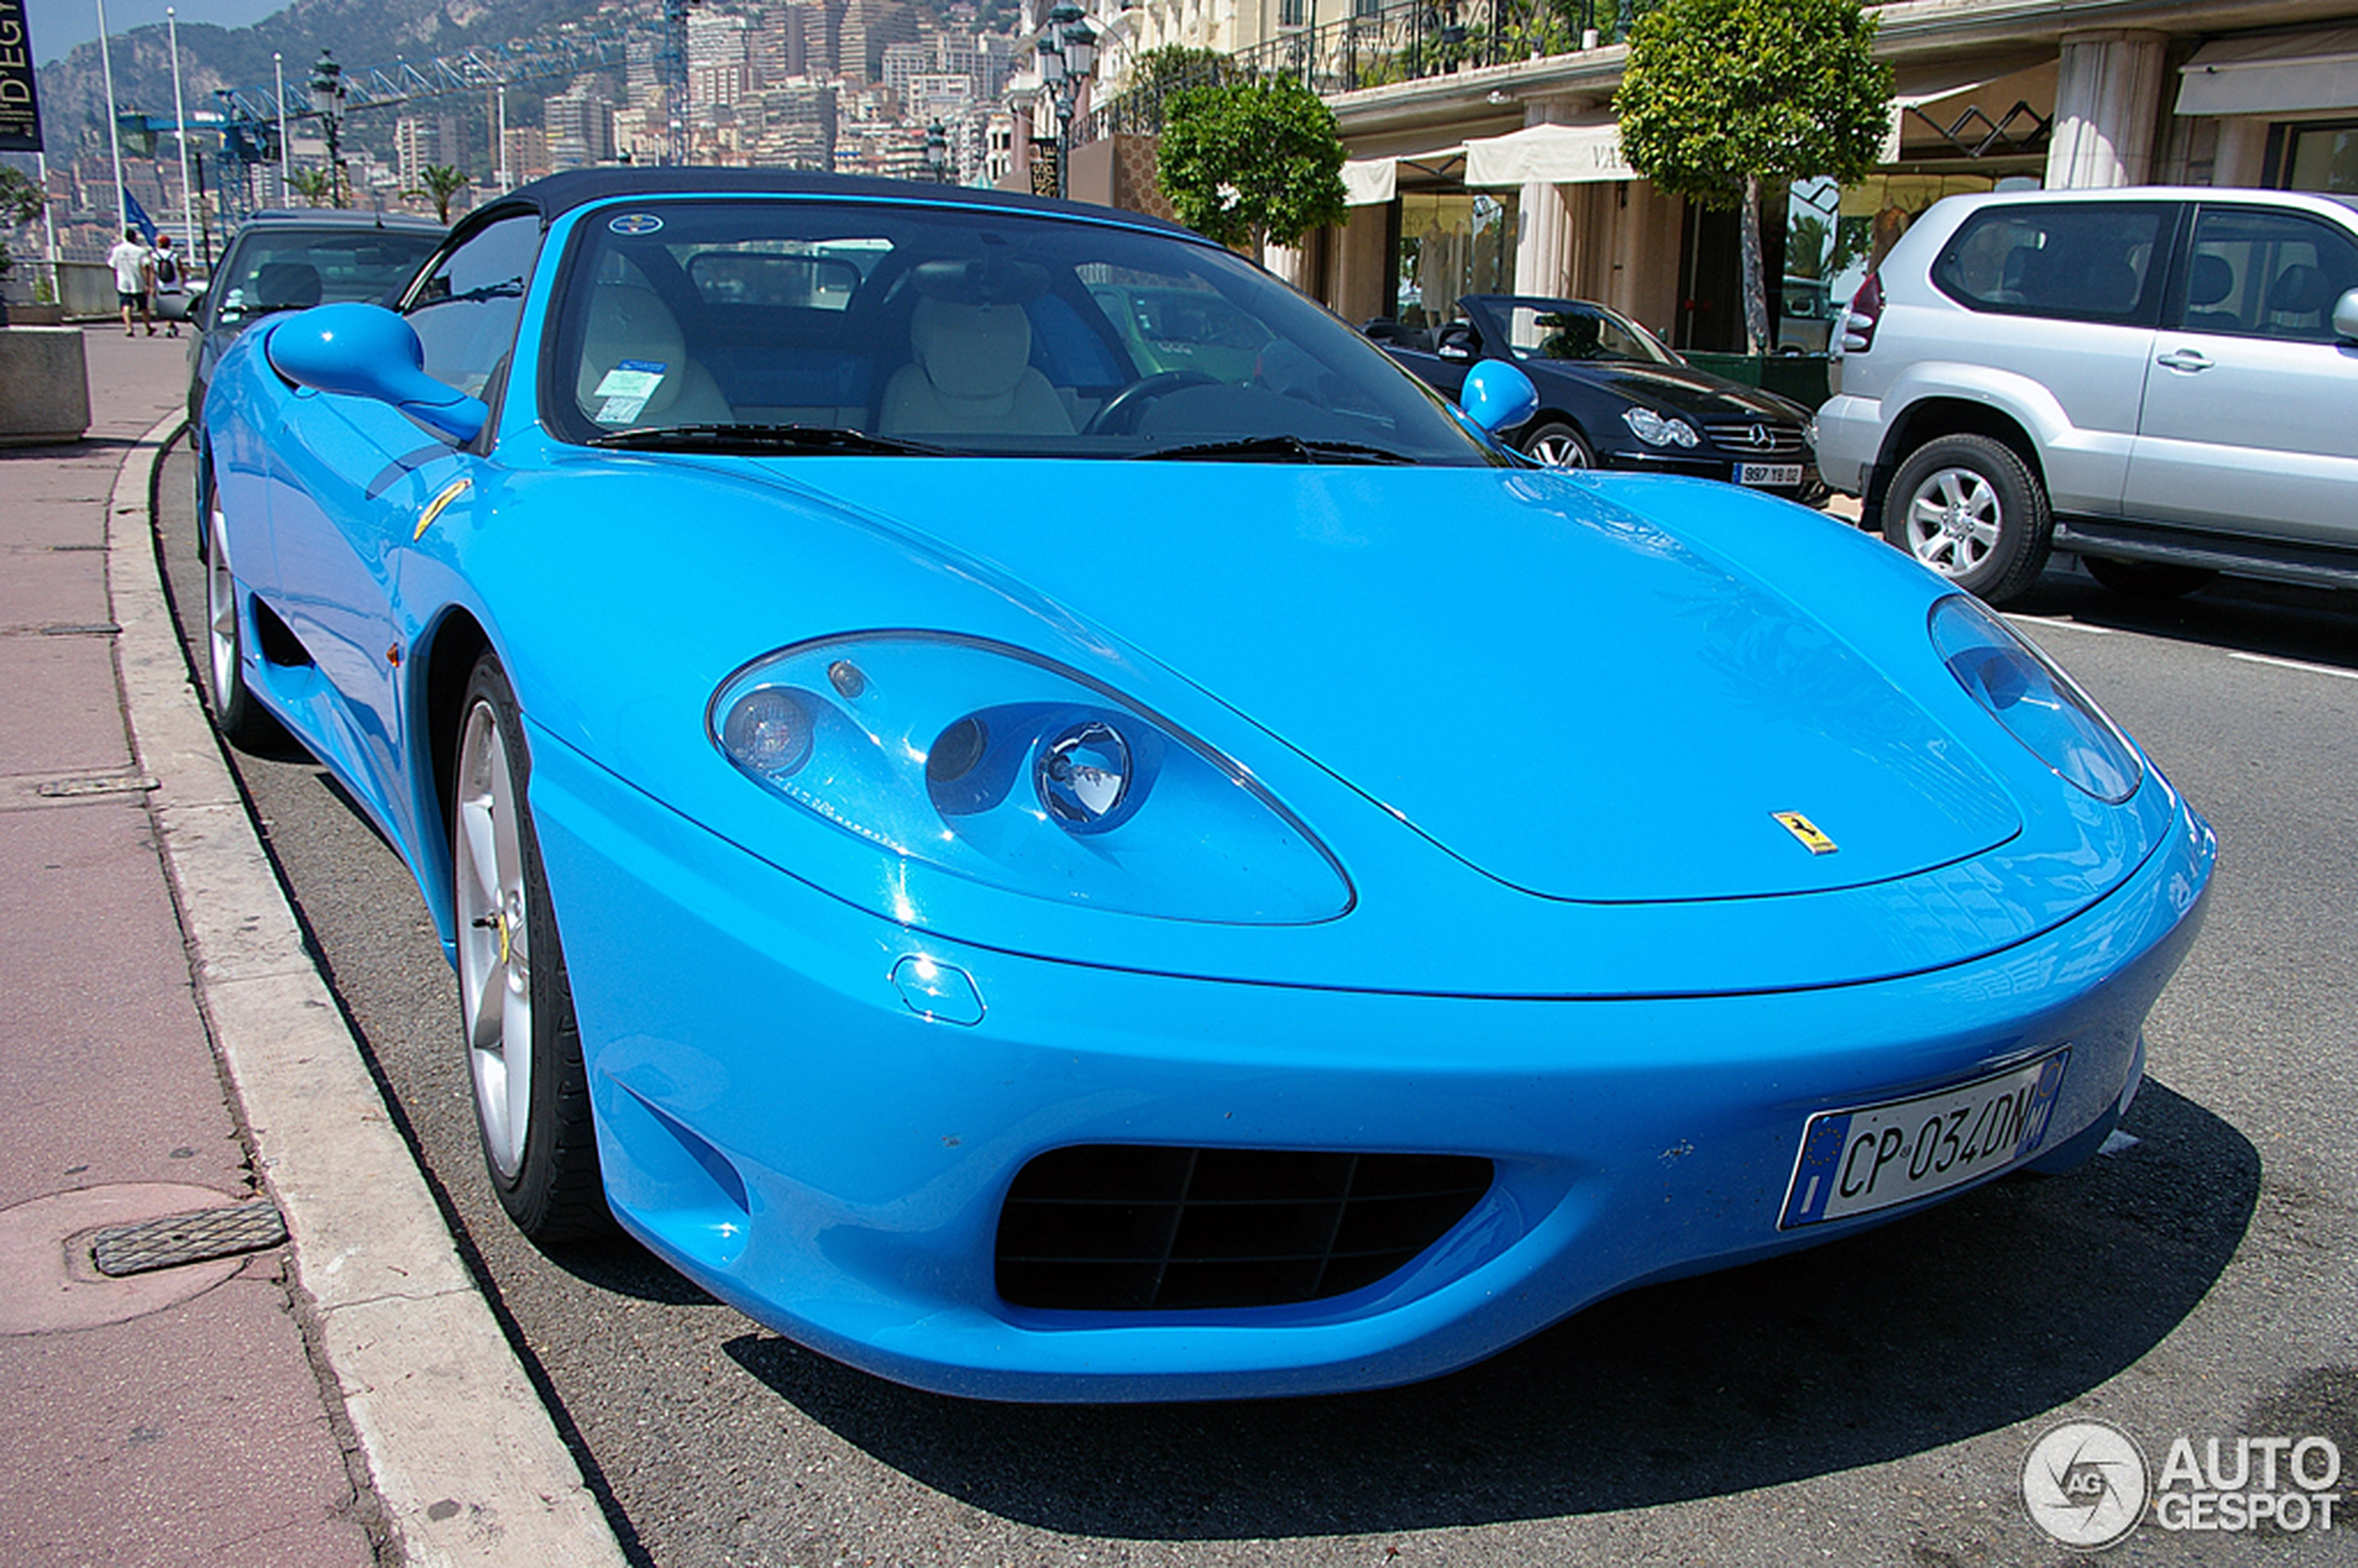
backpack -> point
(167, 270)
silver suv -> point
(2161, 380)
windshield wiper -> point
(755, 439)
(1279, 448)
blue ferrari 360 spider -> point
(1047, 875)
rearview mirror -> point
(366, 350)
(1497, 396)
(2346, 315)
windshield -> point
(1575, 330)
(292, 270)
(962, 331)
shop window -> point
(1452, 243)
(2321, 156)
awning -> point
(2282, 73)
(1372, 182)
(1369, 182)
(1921, 94)
(1548, 155)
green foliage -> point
(1174, 66)
(1721, 94)
(313, 186)
(438, 183)
(1251, 161)
(20, 199)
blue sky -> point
(58, 25)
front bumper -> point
(777, 1121)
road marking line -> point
(2299, 665)
(2066, 626)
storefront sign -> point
(20, 108)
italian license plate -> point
(1857, 1161)
(1771, 473)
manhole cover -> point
(187, 1238)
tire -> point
(2146, 579)
(1559, 445)
(236, 713)
(1970, 509)
(523, 1046)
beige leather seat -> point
(973, 376)
(628, 322)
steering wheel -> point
(1120, 416)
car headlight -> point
(2035, 700)
(1658, 430)
(1002, 766)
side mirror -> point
(2346, 315)
(366, 350)
(1497, 396)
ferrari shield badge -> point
(1813, 838)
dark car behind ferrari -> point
(1612, 395)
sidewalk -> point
(166, 1049)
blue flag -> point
(136, 216)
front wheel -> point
(1559, 445)
(236, 713)
(524, 1048)
(1969, 508)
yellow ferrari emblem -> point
(434, 508)
(1813, 838)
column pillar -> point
(1544, 241)
(2108, 103)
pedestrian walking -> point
(131, 282)
(171, 285)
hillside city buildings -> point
(1483, 152)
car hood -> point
(1679, 388)
(1569, 698)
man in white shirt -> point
(130, 262)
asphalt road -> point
(1870, 1402)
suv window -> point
(465, 310)
(2083, 261)
(2266, 275)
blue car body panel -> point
(1541, 722)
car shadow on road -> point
(2278, 620)
(1994, 1309)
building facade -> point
(1484, 154)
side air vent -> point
(1115, 1227)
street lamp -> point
(1067, 49)
(937, 151)
(326, 101)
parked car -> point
(1612, 395)
(2159, 381)
(288, 260)
(1048, 877)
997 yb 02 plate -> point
(1857, 1162)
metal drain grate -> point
(187, 1238)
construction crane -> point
(248, 118)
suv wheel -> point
(1969, 508)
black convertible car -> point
(1612, 395)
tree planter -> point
(45, 385)
(1801, 377)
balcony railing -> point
(1388, 41)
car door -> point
(2066, 296)
(360, 478)
(2247, 425)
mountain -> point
(361, 32)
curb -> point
(458, 1444)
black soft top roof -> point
(555, 194)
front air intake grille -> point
(1755, 437)
(1115, 1227)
